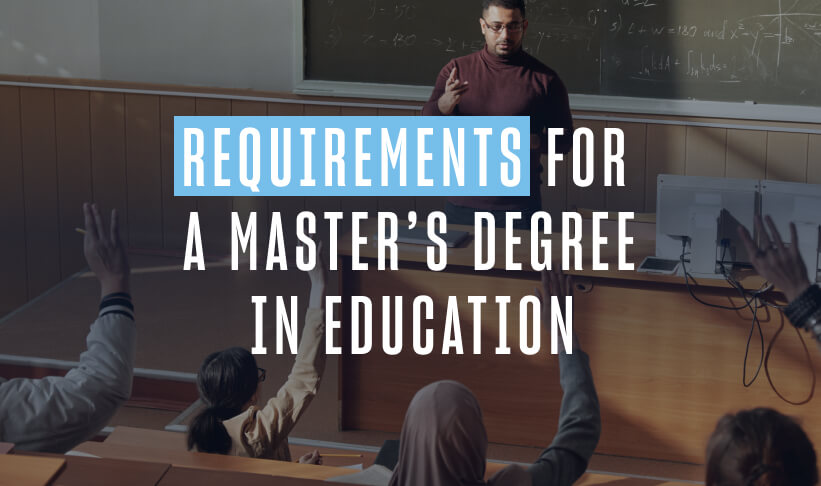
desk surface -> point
(211, 461)
(20, 470)
(90, 471)
(175, 441)
(178, 476)
(644, 245)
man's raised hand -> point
(454, 89)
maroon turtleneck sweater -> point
(516, 86)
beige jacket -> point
(263, 433)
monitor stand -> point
(703, 242)
(808, 247)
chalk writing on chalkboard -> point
(768, 51)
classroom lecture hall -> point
(720, 108)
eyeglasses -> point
(497, 27)
(261, 374)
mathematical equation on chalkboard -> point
(759, 50)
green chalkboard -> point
(767, 51)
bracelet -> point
(805, 311)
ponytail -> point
(227, 380)
(207, 433)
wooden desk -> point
(89, 471)
(175, 441)
(185, 477)
(20, 470)
(612, 480)
(178, 476)
(666, 367)
(210, 461)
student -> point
(783, 267)
(54, 414)
(228, 382)
(760, 447)
(443, 440)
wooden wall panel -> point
(245, 205)
(37, 135)
(73, 139)
(286, 109)
(630, 197)
(215, 212)
(397, 112)
(787, 156)
(592, 197)
(290, 206)
(13, 257)
(554, 199)
(666, 152)
(108, 170)
(706, 152)
(746, 154)
(398, 205)
(358, 203)
(176, 210)
(320, 204)
(814, 160)
(144, 171)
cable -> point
(809, 363)
(687, 278)
(756, 322)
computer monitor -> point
(700, 216)
(801, 204)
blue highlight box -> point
(248, 139)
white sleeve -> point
(54, 414)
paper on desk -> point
(357, 467)
(81, 454)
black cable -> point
(758, 301)
(687, 278)
(755, 323)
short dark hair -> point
(508, 4)
(761, 444)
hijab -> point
(444, 443)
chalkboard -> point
(765, 51)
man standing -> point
(503, 80)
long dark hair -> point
(760, 447)
(226, 381)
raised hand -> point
(555, 283)
(454, 89)
(779, 264)
(312, 457)
(104, 251)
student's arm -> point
(54, 414)
(282, 412)
(804, 312)
(783, 267)
(565, 460)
